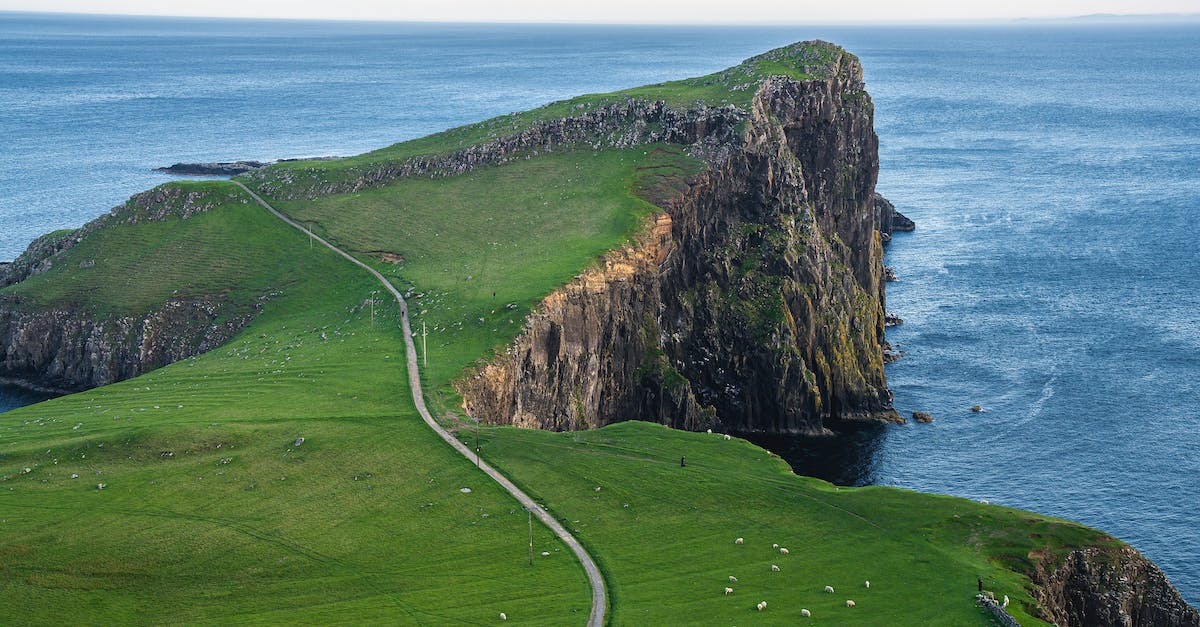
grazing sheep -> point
(867, 584)
(829, 589)
(728, 590)
(762, 605)
(774, 546)
(805, 613)
(774, 568)
(728, 437)
(1005, 604)
(984, 501)
(732, 579)
(783, 550)
(503, 616)
(849, 603)
(740, 541)
(709, 431)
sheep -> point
(783, 550)
(503, 616)
(774, 546)
(849, 603)
(867, 583)
(774, 568)
(709, 431)
(728, 437)
(762, 605)
(1005, 603)
(728, 590)
(740, 541)
(805, 613)
(984, 501)
(732, 579)
(829, 589)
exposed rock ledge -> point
(1110, 586)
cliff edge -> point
(753, 302)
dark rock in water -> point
(892, 320)
(890, 353)
(977, 408)
(889, 274)
(890, 220)
(921, 416)
(224, 168)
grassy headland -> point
(211, 512)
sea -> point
(1053, 171)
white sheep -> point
(762, 605)
(829, 589)
(774, 568)
(728, 590)
(867, 583)
(728, 437)
(774, 546)
(709, 431)
(1005, 604)
(732, 579)
(984, 501)
(805, 613)
(783, 550)
(740, 541)
(503, 616)
(849, 603)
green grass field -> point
(664, 534)
(363, 523)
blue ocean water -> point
(1053, 172)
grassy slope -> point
(231, 253)
(364, 520)
(668, 555)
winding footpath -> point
(595, 579)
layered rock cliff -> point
(1110, 586)
(754, 302)
(67, 346)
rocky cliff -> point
(67, 346)
(753, 303)
(1110, 586)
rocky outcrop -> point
(616, 125)
(69, 347)
(220, 168)
(889, 219)
(754, 303)
(1110, 586)
(68, 350)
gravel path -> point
(599, 595)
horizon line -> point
(1092, 18)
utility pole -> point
(476, 440)
(425, 344)
(530, 535)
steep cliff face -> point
(1096, 586)
(65, 349)
(755, 303)
(67, 346)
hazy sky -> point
(624, 11)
